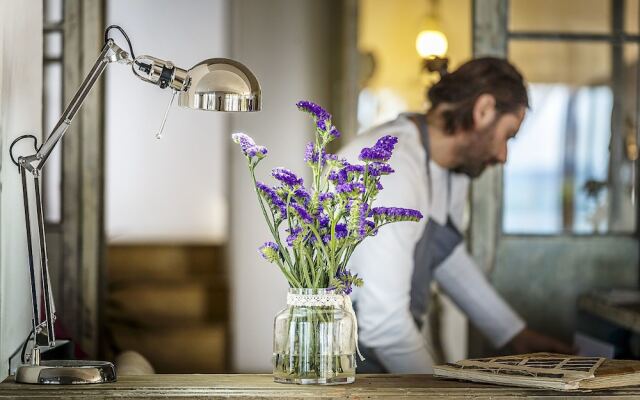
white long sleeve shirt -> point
(386, 262)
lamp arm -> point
(110, 53)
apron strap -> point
(421, 122)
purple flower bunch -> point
(316, 228)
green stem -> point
(366, 182)
(297, 265)
(319, 239)
(292, 279)
(309, 261)
(274, 233)
(333, 260)
(307, 274)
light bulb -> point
(430, 43)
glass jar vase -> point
(314, 339)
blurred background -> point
(153, 242)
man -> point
(474, 111)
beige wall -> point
(171, 190)
(389, 30)
(290, 56)
(20, 113)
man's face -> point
(487, 144)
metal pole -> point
(44, 264)
(32, 274)
(65, 120)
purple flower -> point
(333, 176)
(293, 235)
(301, 212)
(341, 230)
(394, 214)
(325, 200)
(387, 143)
(374, 154)
(315, 110)
(357, 217)
(348, 172)
(314, 205)
(347, 280)
(370, 227)
(334, 132)
(381, 151)
(326, 197)
(287, 177)
(272, 199)
(301, 195)
(316, 208)
(311, 155)
(248, 146)
(333, 160)
(378, 169)
(269, 251)
(350, 188)
(323, 220)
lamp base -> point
(67, 372)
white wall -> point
(172, 189)
(284, 42)
(20, 113)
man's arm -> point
(467, 286)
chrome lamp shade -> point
(221, 84)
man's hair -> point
(460, 89)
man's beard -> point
(471, 170)
(476, 161)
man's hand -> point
(530, 341)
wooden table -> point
(262, 386)
(623, 310)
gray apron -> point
(436, 244)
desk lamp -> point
(216, 84)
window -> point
(572, 167)
(52, 99)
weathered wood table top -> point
(262, 386)
(604, 305)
